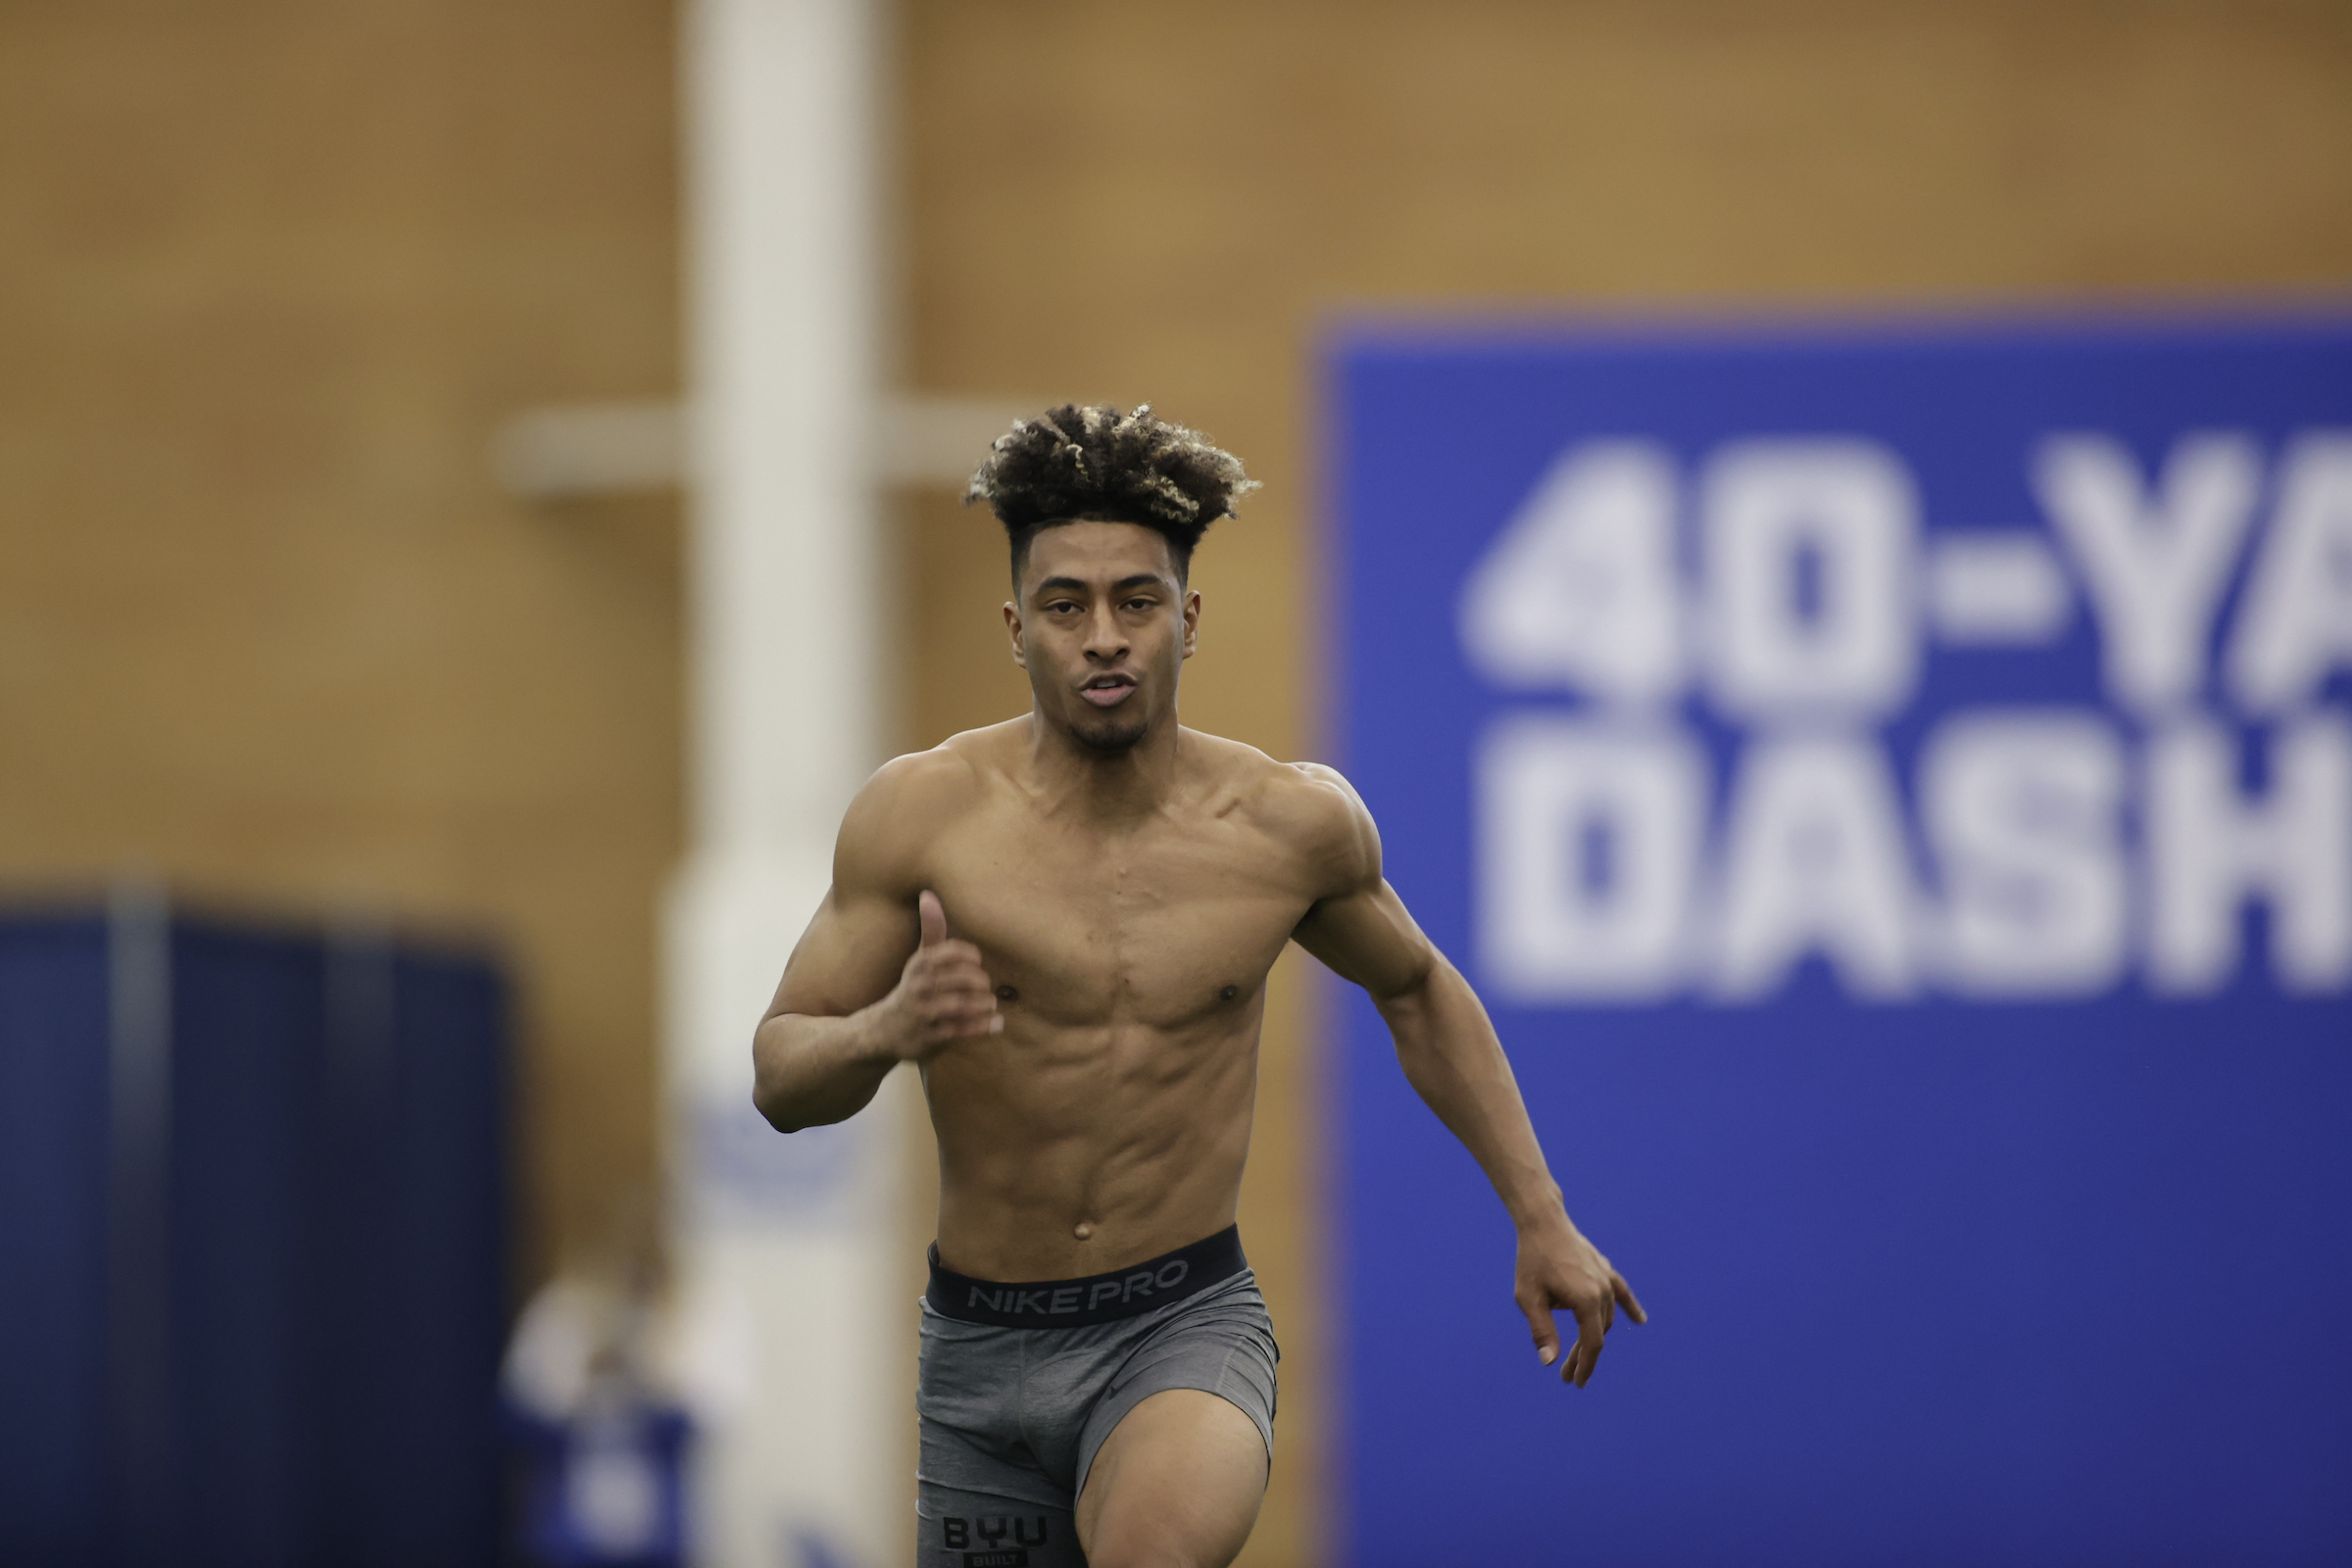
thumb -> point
(934, 918)
(1547, 1334)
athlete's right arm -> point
(875, 980)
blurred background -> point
(358, 575)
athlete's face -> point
(1102, 626)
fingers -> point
(952, 995)
(1593, 1322)
(1585, 1355)
(961, 1023)
(1595, 1316)
(951, 966)
(1547, 1336)
(1574, 1278)
(943, 1019)
(946, 990)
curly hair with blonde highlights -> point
(1082, 462)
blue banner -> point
(1894, 789)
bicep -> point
(1357, 925)
(1367, 936)
(850, 957)
(862, 935)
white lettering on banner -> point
(2022, 811)
(1595, 832)
(1810, 552)
(1580, 589)
(1814, 860)
(2210, 851)
(1994, 589)
(2296, 624)
(2156, 569)
(1589, 842)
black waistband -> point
(1095, 1299)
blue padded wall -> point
(334, 1252)
(53, 1179)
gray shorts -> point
(1011, 1417)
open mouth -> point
(1107, 691)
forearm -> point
(810, 1070)
(1450, 1056)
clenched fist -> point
(943, 995)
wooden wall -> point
(1117, 200)
(271, 273)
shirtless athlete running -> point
(1066, 921)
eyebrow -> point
(1141, 580)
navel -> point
(1083, 1230)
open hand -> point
(1560, 1271)
(942, 994)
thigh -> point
(975, 1424)
(1179, 1480)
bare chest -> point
(1160, 925)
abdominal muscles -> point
(1132, 1133)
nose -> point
(1106, 638)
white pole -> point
(791, 1241)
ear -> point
(1013, 624)
(1191, 620)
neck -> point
(1110, 785)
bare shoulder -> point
(1306, 805)
(887, 830)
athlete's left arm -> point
(1450, 1056)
